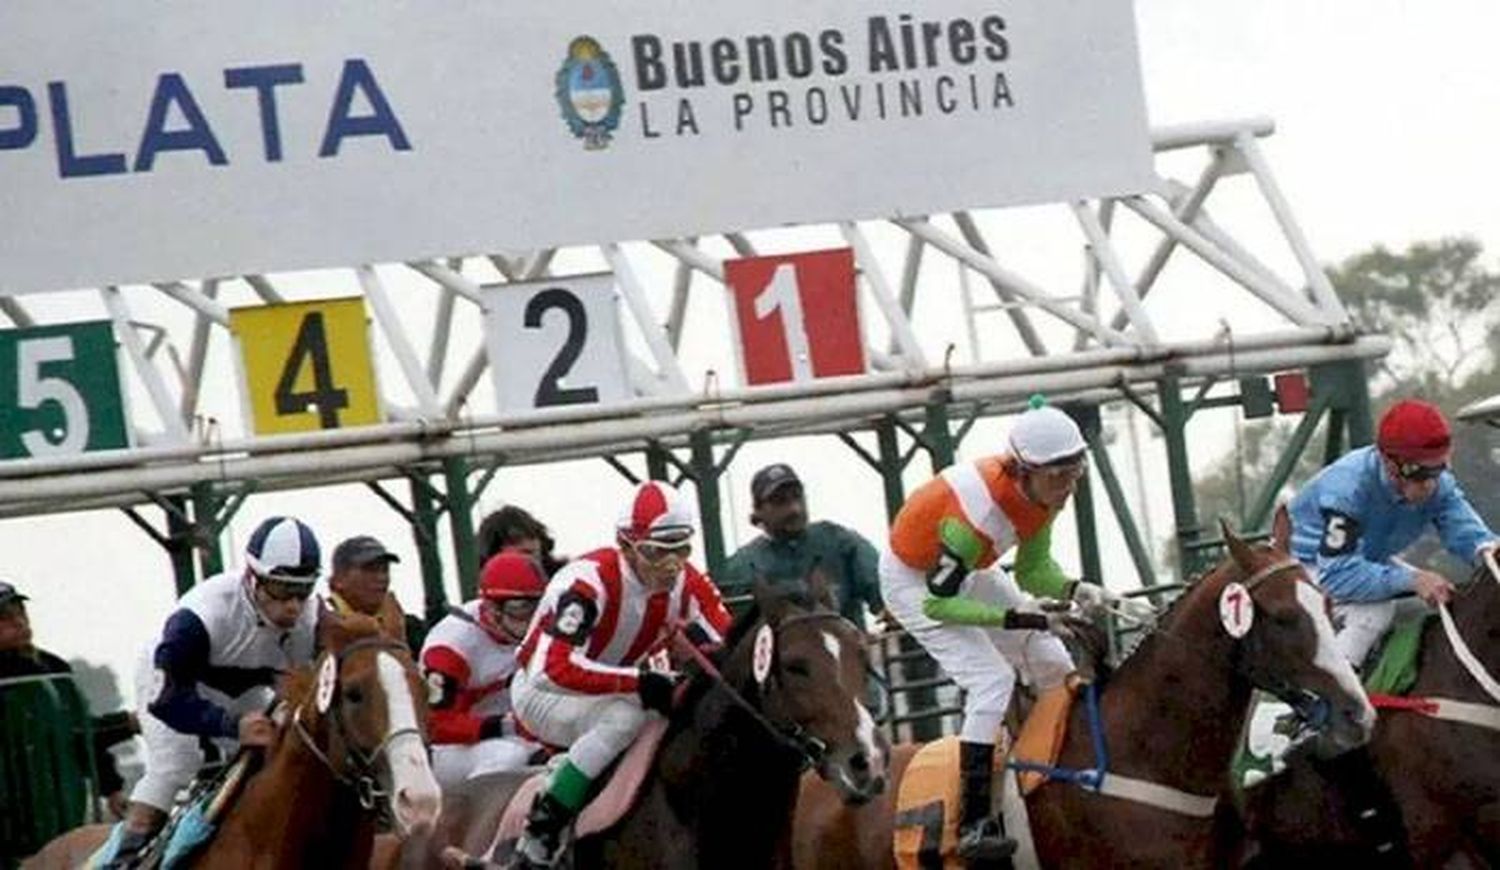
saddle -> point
(193, 822)
(622, 785)
(927, 800)
(1395, 668)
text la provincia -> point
(901, 68)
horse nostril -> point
(859, 763)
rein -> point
(364, 783)
(1451, 709)
(809, 749)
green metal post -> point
(1087, 419)
(179, 543)
(461, 524)
(890, 466)
(1184, 507)
(1338, 424)
(1116, 495)
(424, 532)
(206, 528)
(937, 435)
(1347, 383)
(1260, 513)
(706, 476)
(657, 467)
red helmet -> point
(511, 574)
(1415, 431)
(656, 512)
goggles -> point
(1070, 468)
(1417, 471)
(512, 608)
(656, 552)
(283, 590)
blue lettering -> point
(341, 124)
(69, 163)
(24, 133)
(172, 90)
(264, 80)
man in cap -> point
(792, 548)
(211, 674)
(361, 583)
(20, 657)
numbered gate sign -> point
(796, 317)
(306, 365)
(60, 391)
(555, 342)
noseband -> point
(810, 750)
(364, 782)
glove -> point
(493, 726)
(1092, 599)
(655, 689)
(1055, 622)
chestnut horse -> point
(352, 738)
(1444, 774)
(724, 782)
(1169, 721)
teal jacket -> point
(844, 556)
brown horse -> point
(1444, 775)
(352, 736)
(1170, 717)
(724, 782)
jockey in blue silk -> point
(1350, 524)
(212, 672)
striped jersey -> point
(597, 623)
(468, 670)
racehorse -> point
(1169, 719)
(350, 735)
(724, 780)
(1444, 774)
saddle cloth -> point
(605, 808)
(927, 800)
(1395, 668)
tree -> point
(1436, 302)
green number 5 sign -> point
(60, 391)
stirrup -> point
(985, 841)
(123, 849)
(533, 852)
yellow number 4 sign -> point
(306, 365)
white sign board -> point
(555, 342)
(189, 138)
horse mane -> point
(749, 619)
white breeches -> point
(595, 728)
(452, 763)
(982, 661)
(1362, 625)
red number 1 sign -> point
(796, 317)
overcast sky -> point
(1387, 133)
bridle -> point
(1312, 708)
(810, 750)
(363, 781)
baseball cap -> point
(361, 550)
(771, 478)
(9, 594)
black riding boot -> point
(545, 824)
(981, 835)
(1375, 815)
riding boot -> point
(540, 845)
(1375, 815)
(981, 835)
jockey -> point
(468, 662)
(1351, 522)
(212, 673)
(936, 580)
(583, 681)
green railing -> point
(47, 774)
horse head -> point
(809, 668)
(1278, 622)
(362, 715)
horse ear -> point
(771, 603)
(1281, 529)
(820, 588)
(333, 630)
(1237, 547)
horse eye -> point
(799, 668)
(354, 695)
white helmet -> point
(1044, 435)
(656, 512)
